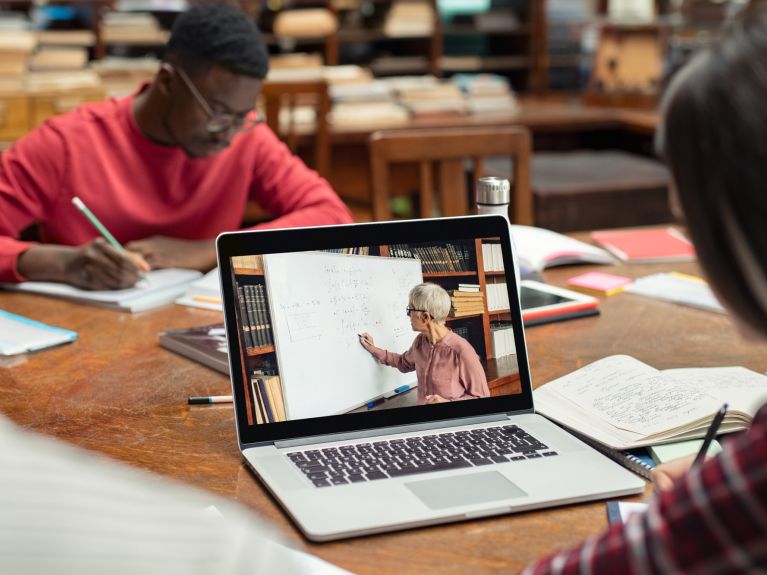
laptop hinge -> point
(361, 434)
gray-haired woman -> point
(447, 366)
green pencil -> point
(96, 223)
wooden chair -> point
(447, 149)
(288, 95)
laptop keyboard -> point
(412, 455)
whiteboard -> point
(319, 303)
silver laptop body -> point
(446, 462)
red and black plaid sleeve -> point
(713, 522)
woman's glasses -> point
(409, 310)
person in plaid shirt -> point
(713, 519)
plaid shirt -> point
(712, 522)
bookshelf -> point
(396, 38)
(254, 335)
(502, 372)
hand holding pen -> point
(665, 475)
(103, 263)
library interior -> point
(140, 358)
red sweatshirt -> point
(139, 189)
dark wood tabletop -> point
(117, 392)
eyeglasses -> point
(409, 310)
(220, 122)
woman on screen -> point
(710, 519)
(446, 365)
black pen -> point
(710, 435)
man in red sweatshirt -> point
(165, 170)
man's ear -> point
(164, 78)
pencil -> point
(96, 223)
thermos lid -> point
(493, 190)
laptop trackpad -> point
(464, 490)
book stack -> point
(255, 262)
(409, 19)
(368, 115)
(61, 38)
(59, 80)
(120, 76)
(137, 28)
(438, 99)
(16, 47)
(71, 58)
(266, 399)
(434, 258)
(466, 300)
(489, 94)
(256, 319)
(497, 297)
(502, 339)
(492, 257)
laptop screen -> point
(349, 327)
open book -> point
(624, 403)
(538, 248)
(159, 287)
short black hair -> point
(217, 34)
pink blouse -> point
(450, 368)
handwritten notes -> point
(321, 302)
(633, 396)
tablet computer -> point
(544, 303)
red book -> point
(647, 245)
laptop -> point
(351, 446)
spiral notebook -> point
(637, 460)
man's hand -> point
(93, 266)
(436, 399)
(165, 252)
(665, 475)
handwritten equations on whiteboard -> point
(320, 303)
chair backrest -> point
(289, 95)
(447, 149)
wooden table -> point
(117, 392)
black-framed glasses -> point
(409, 310)
(219, 122)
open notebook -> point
(159, 288)
(624, 403)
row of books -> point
(436, 258)
(502, 339)
(466, 300)
(497, 297)
(358, 251)
(256, 319)
(266, 399)
(492, 257)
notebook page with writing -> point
(633, 396)
(625, 403)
